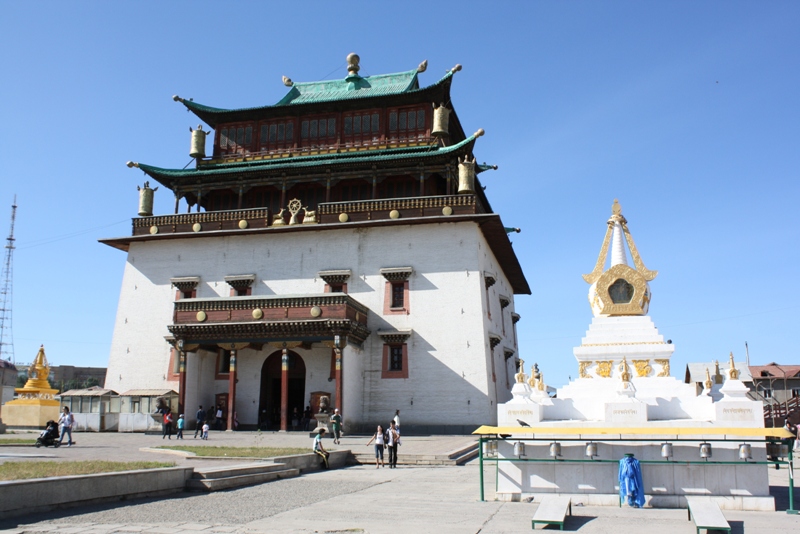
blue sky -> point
(685, 111)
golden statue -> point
(733, 372)
(625, 371)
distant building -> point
(778, 385)
(8, 381)
(65, 377)
(696, 374)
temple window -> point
(318, 131)
(236, 139)
(408, 123)
(186, 287)
(275, 135)
(223, 364)
(362, 126)
(335, 280)
(241, 285)
(396, 296)
(399, 187)
(395, 353)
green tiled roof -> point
(350, 88)
(391, 154)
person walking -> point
(181, 424)
(397, 419)
(219, 417)
(65, 422)
(166, 424)
(393, 439)
(201, 418)
(380, 443)
(319, 450)
(336, 422)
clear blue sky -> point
(688, 112)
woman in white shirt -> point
(380, 443)
(65, 422)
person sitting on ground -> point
(320, 450)
(380, 443)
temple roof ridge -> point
(350, 88)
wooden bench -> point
(552, 511)
(706, 514)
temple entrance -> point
(270, 400)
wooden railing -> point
(327, 213)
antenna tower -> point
(6, 294)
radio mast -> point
(7, 293)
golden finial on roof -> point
(717, 374)
(708, 382)
(423, 66)
(287, 81)
(353, 64)
(520, 377)
(733, 372)
(532, 380)
(540, 385)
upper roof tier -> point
(348, 93)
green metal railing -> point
(486, 439)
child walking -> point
(181, 424)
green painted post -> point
(791, 509)
(480, 459)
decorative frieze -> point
(397, 274)
(394, 337)
(240, 281)
(185, 283)
(335, 277)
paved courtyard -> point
(356, 499)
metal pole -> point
(480, 461)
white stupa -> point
(624, 387)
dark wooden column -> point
(339, 402)
(232, 388)
(182, 381)
(284, 389)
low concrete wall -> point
(312, 462)
(21, 497)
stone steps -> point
(458, 456)
(223, 478)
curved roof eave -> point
(213, 116)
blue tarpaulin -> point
(631, 488)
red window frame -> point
(353, 134)
(386, 371)
(310, 128)
(388, 309)
(269, 134)
(398, 126)
(224, 145)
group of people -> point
(385, 439)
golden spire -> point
(618, 218)
(520, 377)
(532, 379)
(708, 382)
(733, 373)
(38, 372)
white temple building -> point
(624, 390)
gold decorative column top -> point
(708, 382)
(625, 370)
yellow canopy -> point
(632, 431)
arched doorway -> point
(270, 400)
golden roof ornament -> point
(620, 289)
(733, 373)
(287, 81)
(540, 385)
(708, 382)
(353, 64)
(520, 377)
(38, 372)
(717, 374)
(532, 380)
(625, 371)
(423, 66)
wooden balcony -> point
(270, 318)
(327, 213)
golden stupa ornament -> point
(35, 403)
(620, 289)
(520, 377)
(708, 382)
(733, 372)
(532, 380)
